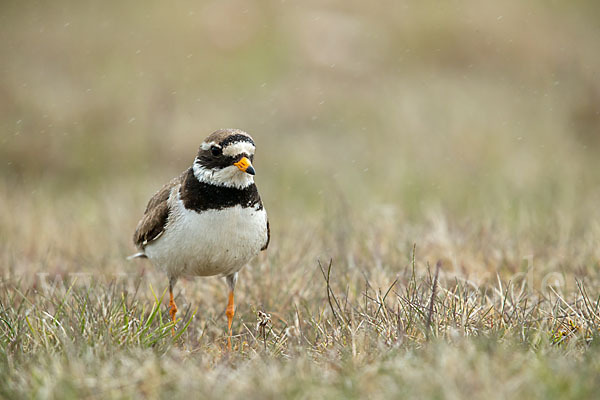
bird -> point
(210, 220)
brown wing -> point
(268, 237)
(152, 224)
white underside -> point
(212, 242)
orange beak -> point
(245, 166)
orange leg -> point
(230, 311)
(172, 308)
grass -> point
(391, 141)
(334, 329)
(104, 339)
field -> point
(430, 171)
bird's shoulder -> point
(155, 218)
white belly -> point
(212, 242)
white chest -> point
(210, 242)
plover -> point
(208, 221)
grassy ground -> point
(391, 140)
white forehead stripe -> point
(238, 148)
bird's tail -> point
(141, 254)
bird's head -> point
(225, 159)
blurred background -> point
(415, 116)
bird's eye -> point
(216, 151)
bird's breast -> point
(210, 242)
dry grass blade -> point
(438, 266)
(330, 295)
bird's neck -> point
(230, 176)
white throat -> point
(230, 176)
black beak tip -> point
(250, 170)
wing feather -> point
(268, 237)
(155, 218)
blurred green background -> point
(473, 108)
(467, 129)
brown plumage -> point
(152, 224)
